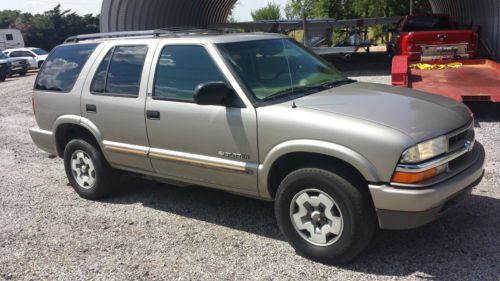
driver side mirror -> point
(216, 93)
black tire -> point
(106, 177)
(355, 206)
(2, 78)
(23, 73)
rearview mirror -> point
(215, 93)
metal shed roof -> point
(126, 15)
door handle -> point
(153, 115)
(91, 108)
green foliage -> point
(271, 12)
(50, 28)
(8, 17)
(345, 9)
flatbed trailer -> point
(473, 80)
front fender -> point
(360, 163)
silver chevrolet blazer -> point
(257, 115)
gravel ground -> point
(149, 231)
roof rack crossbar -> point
(156, 33)
(167, 32)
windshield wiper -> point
(299, 91)
(333, 84)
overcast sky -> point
(242, 11)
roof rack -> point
(83, 37)
(164, 32)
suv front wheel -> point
(88, 171)
(324, 216)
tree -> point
(271, 12)
(51, 28)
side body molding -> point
(365, 167)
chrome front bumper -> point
(404, 208)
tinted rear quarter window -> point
(62, 68)
(9, 37)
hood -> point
(419, 115)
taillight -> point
(474, 44)
(33, 104)
(409, 43)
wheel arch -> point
(288, 156)
(69, 127)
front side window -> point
(63, 66)
(279, 68)
(181, 69)
(120, 71)
(26, 54)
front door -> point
(114, 98)
(209, 145)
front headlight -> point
(425, 150)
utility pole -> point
(411, 7)
(304, 24)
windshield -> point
(39, 52)
(427, 23)
(278, 68)
(3, 56)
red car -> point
(431, 37)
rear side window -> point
(62, 68)
(427, 23)
(181, 69)
(120, 71)
(9, 37)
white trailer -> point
(11, 38)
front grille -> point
(459, 141)
(464, 139)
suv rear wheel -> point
(88, 171)
(324, 216)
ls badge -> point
(232, 155)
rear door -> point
(113, 99)
(210, 145)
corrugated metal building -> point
(120, 15)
